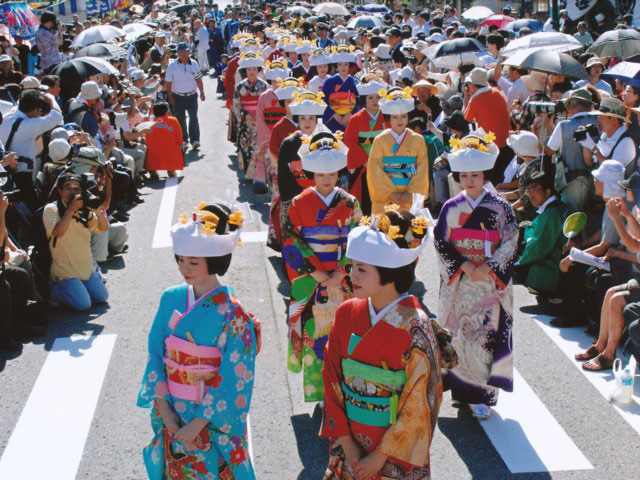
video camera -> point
(12, 195)
(582, 131)
(546, 107)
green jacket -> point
(544, 240)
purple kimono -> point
(478, 314)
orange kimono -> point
(164, 145)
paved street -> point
(67, 404)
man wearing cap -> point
(157, 54)
(394, 40)
(7, 73)
(594, 68)
(183, 80)
(542, 240)
(615, 141)
(427, 104)
(83, 109)
(487, 107)
(323, 40)
(74, 282)
(572, 173)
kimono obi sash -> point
(474, 244)
(400, 169)
(249, 103)
(342, 102)
(272, 115)
(190, 368)
(301, 179)
(380, 407)
(327, 242)
(365, 139)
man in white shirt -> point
(422, 24)
(615, 142)
(183, 79)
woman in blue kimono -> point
(476, 238)
(202, 350)
(340, 91)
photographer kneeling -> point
(69, 224)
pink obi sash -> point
(458, 234)
(249, 103)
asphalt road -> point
(560, 417)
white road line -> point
(56, 419)
(162, 235)
(254, 237)
(574, 340)
(527, 436)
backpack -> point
(69, 114)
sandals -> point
(598, 364)
(588, 354)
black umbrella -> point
(549, 61)
(617, 43)
(181, 9)
(101, 50)
(72, 74)
(452, 53)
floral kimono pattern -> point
(478, 314)
(396, 412)
(245, 104)
(216, 386)
(315, 238)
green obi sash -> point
(365, 139)
(371, 410)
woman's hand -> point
(351, 450)
(190, 431)
(468, 268)
(565, 264)
(370, 465)
(335, 278)
(614, 206)
(10, 161)
(611, 253)
(169, 417)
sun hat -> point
(631, 183)
(610, 173)
(456, 121)
(58, 149)
(382, 51)
(60, 133)
(524, 144)
(612, 107)
(31, 83)
(478, 76)
(90, 91)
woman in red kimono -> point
(315, 240)
(382, 363)
(361, 129)
(164, 143)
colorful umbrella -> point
(373, 8)
(530, 23)
(497, 20)
(627, 72)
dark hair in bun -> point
(401, 277)
(219, 265)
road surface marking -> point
(254, 237)
(162, 235)
(49, 437)
(527, 436)
(575, 340)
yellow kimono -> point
(394, 167)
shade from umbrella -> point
(477, 13)
(627, 72)
(518, 25)
(101, 50)
(136, 30)
(373, 8)
(559, 42)
(101, 33)
(617, 43)
(548, 61)
(452, 53)
(497, 20)
(330, 8)
(365, 21)
(301, 10)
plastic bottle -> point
(626, 390)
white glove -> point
(588, 143)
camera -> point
(89, 199)
(12, 195)
(582, 131)
(546, 107)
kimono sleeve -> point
(226, 403)
(335, 424)
(541, 238)
(287, 184)
(298, 255)
(356, 156)
(379, 183)
(451, 259)
(327, 89)
(420, 181)
(502, 260)
(408, 439)
(154, 382)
